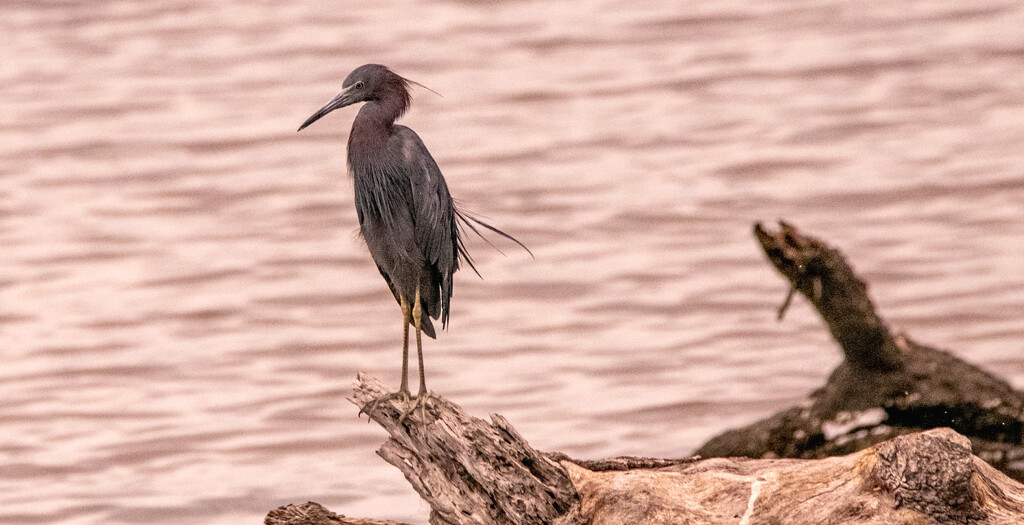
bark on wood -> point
(311, 513)
(887, 385)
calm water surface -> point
(184, 302)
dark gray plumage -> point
(406, 214)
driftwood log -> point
(887, 385)
(471, 471)
(873, 409)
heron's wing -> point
(391, 284)
(438, 222)
(434, 215)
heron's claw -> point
(401, 394)
(409, 404)
(420, 401)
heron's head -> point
(367, 83)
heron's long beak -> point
(339, 101)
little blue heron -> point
(406, 214)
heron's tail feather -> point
(465, 220)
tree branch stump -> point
(468, 471)
(820, 274)
(887, 385)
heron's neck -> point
(376, 119)
(371, 128)
(375, 123)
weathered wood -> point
(887, 385)
(622, 462)
(468, 470)
(311, 513)
(471, 471)
(925, 478)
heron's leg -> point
(403, 390)
(417, 316)
(406, 317)
(423, 396)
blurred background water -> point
(184, 301)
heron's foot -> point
(402, 394)
(420, 401)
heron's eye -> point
(359, 85)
